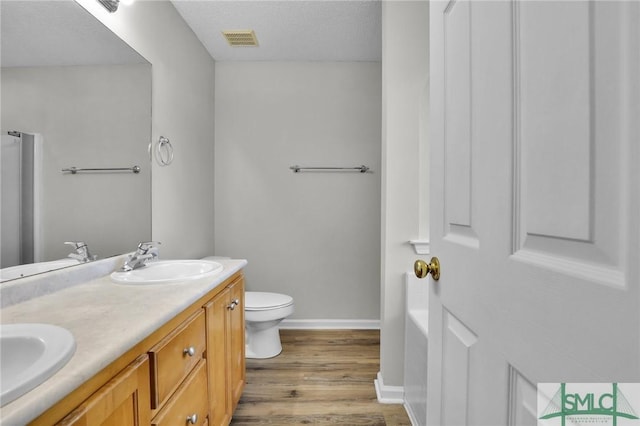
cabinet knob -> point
(233, 304)
(192, 419)
(236, 302)
(191, 351)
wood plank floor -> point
(321, 377)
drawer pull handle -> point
(191, 351)
(192, 419)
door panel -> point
(458, 342)
(558, 201)
(458, 170)
(523, 400)
(535, 203)
(567, 205)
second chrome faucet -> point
(82, 254)
(145, 252)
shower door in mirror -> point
(19, 157)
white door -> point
(535, 162)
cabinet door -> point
(216, 314)
(236, 332)
(123, 401)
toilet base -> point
(261, 344)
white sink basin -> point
(168, 272)
(31, 353)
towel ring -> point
(164, 151)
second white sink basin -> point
(168, 272)
(31, 353)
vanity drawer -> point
(188, 406)
(173, 358)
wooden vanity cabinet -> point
(123, 401)
(225, 351)
(191, 372)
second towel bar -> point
(74, 170)
(361, 169)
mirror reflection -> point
(73, 95)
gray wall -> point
(314, 236)
(88, 116)
(182, 196)
(183, 99)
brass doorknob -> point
(422, 268)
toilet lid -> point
(259, 301)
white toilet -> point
(262, 314)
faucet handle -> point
(76, 244)
(82, 251)
(144, 247)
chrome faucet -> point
(145, 251)
(82, 252)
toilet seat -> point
(263, 301)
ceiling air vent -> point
(241, 38)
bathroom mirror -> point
(73, 95)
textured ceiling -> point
(57, 33)
(289, 30)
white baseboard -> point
(388, 394)
(329, 324)
(412, 416)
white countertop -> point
(106, 320)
